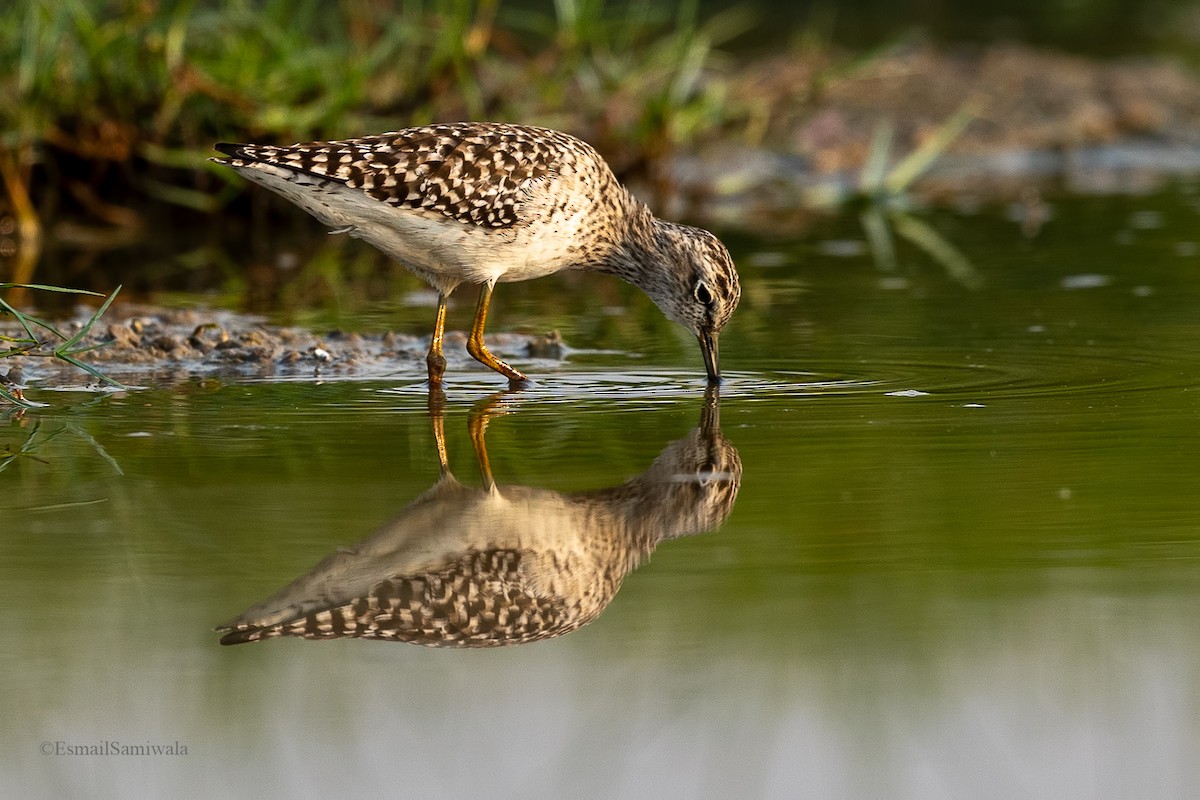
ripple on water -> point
(1083, 371)
(1005, 371)
(648, 385)
(1077, 371)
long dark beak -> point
(712, 356)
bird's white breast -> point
(441, 250)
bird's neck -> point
(633, 251)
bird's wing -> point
(476, 173)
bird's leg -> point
(435, 360)
(475, 345)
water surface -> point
(964, 559)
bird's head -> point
(700, 289)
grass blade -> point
(918, 161)
(79, 334)
(879, 237)
(875, 170)
(21, 318)
(955, 262)
(12, 398)
(47, 288)
(89, 369)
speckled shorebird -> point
(483, 202)
(502, 565)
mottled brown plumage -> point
(483, 203)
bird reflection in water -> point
(499, 565)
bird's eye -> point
(703, 294)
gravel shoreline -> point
(140, 344)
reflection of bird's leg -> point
(436, 400)
(437, 405)
(476, 426)
(480, 415)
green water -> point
(964, 560)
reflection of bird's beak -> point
(712, 358)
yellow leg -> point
(481, 414)
(477, 423)
(435, 360)
(437, 406)
(475, 345)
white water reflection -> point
(1072, 695)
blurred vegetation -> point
(107, 99)
(130, 94)
(109, 108)
(884, 205)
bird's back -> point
(482, 200)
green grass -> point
(882, 198)
(40, 339)
(108, 107)
(130, 95)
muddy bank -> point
(140, 345)
(1022, 99)
(1036, 116)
